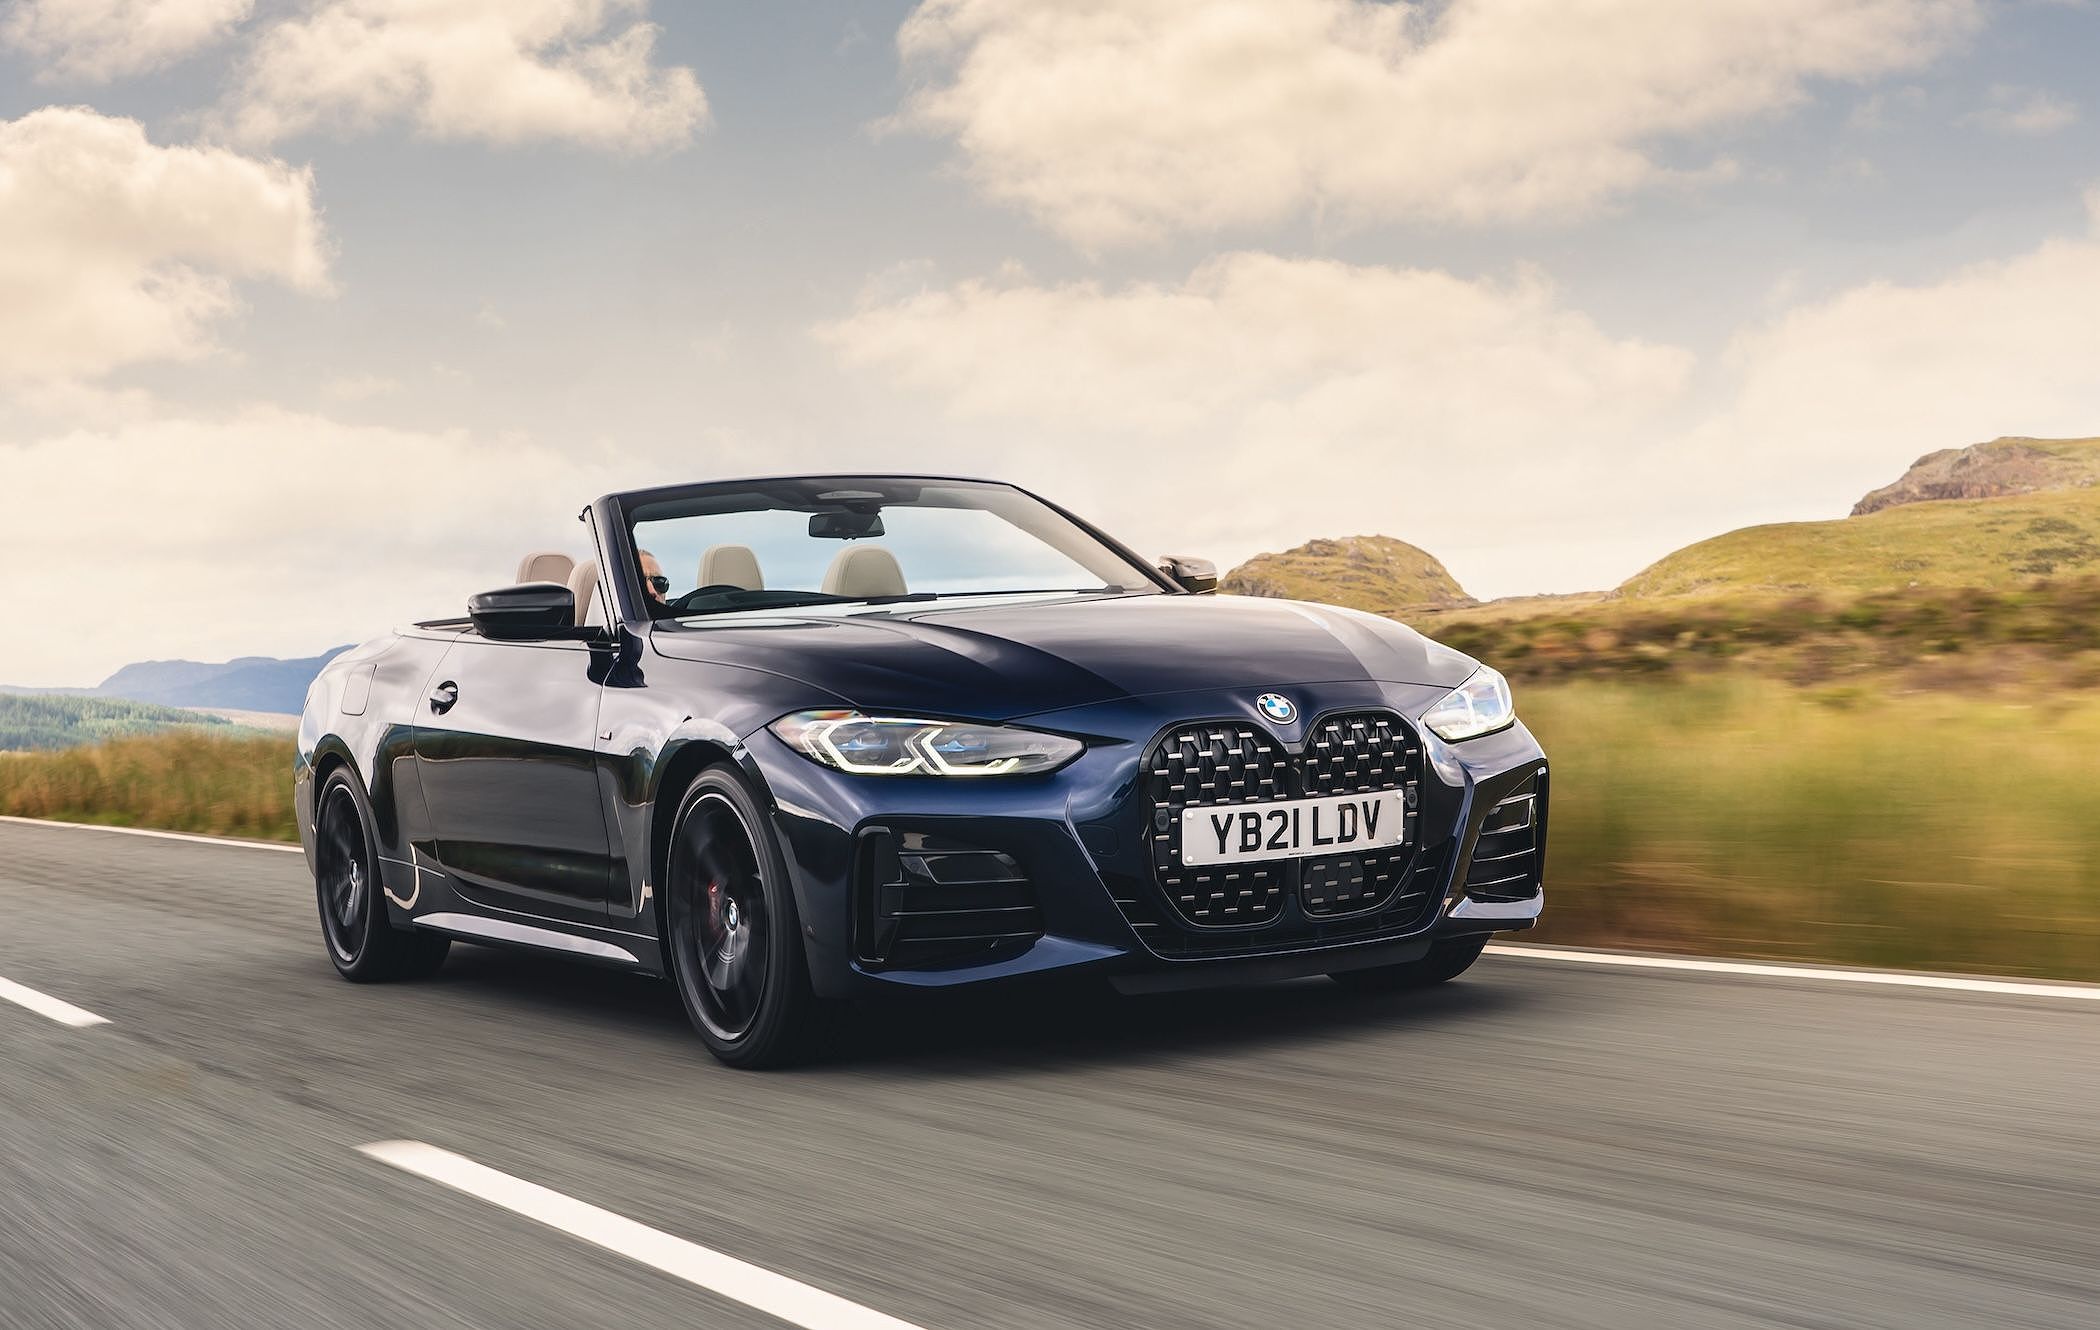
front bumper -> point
(1080, 839)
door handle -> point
(443, 696)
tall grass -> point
(1744, 817)
(182, 780)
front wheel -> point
(732, 935)
(362, 941)
(1445, 961)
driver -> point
(653, 580)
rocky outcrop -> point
(1375, 573)
(1990, 471)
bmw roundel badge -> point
(1277, 707)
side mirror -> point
(535, 610)
(1197, 576)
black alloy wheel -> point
(362, 942)
(732, 938)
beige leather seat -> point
(731, 565)
(583, 583)
(545, 566)
(864, 571)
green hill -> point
(1375, 573)
(1984, 543)
(45, 720)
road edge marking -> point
(1769, 970)
(149, 831)
(43, 1004)
(754, 1286)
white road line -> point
(157, 835)
(775, 1295)
(1894, 979)
(65, 1013)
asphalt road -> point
(1539, 1144)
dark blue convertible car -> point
(792, 741)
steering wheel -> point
(685, 602)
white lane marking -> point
(775, 1295)
(1894, 979)
(65, 1013)
(157, 835)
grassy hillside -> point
(1375, 573)
(2045, 635)
(1990, 543)
(181, 780)
(43, 720)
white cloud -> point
(99, 40)
(248, 533)
(360, 387)
(1834, 396)
(1265, 401)
(114, 250)
(1267, 395)
(1116, 120)
(2013, 110)
(494, 71)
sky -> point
(315, 315)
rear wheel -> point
(362, 942)
(732, 934)
(1446, 961)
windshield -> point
(773, 544)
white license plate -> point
(1292, 828)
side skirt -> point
(505, 932)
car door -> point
(506, 747)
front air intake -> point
(923, 900)
(1505, 864)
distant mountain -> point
(1996, 515)
(56, 720)
(248, 683)
(1375, 573)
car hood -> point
(998, 662)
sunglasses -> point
(659, 583)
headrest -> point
(731, 565)
(864, 571)
(583, 583)
(545, 566)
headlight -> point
(902, 746)
(1480, 705)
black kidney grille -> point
(1215, 764)
(1231, 763)
(1357, 754)
(1167, 935)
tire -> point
(732, 936)
(1446, 961)
(362, 941)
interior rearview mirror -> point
(1199, 576)
(844, 525)
(523, 613)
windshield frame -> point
(617, 515)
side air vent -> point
(922, 900)
(1505, 863)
